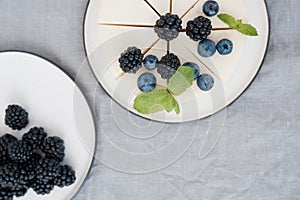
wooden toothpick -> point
(213, 29)
(152, 26)
(151, 6)
(151, 46)
(190, 9)
(211, 71)
(171, 6)
(128, 25)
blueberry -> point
(205, 82)
(150, 62)
(210, 8)
(195, 67)
(146, 82)
(206, 48)
(224, 47)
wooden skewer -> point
(190, 9)
(151, 6)
(120, 75)
(213, 29)
(168, 47)
(128, 25)
(222, 29)
(145, 52)
(211, 71)
(152, 26)
(171, 6)
(151, 46)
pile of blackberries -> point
(34, 161)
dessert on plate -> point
(178, 76)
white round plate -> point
(232, 73)
(54, 102)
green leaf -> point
(246, 29)
(156, 101)
(176, 107)
(181, 80)
(228, 19)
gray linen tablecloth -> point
(257, 156)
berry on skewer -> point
(168, 26)
(168, 65)
(131, 59)
(199, 28)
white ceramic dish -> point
(232, 73)
(54, 102)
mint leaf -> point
(228, 19)
(156, 101)
(246, 29)
(163, 99)
(181, 80)
(176, 107)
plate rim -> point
(68, 76)
(234, 99)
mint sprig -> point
(181, 80)
(163, 99)
(156, 101)
(237, 24)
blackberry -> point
(42, 188)
(168, 65)
(20, 151)
(46, 170)
(30, 167)
(19, 191)
(16, 117)
(14, 178)
(199, 28)
(9, 173)
(168, 27)
(5, 141)
(53, 147)
(131, 60)
(5, 194)
(35, 137)
(8, 138)
(66, 176)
